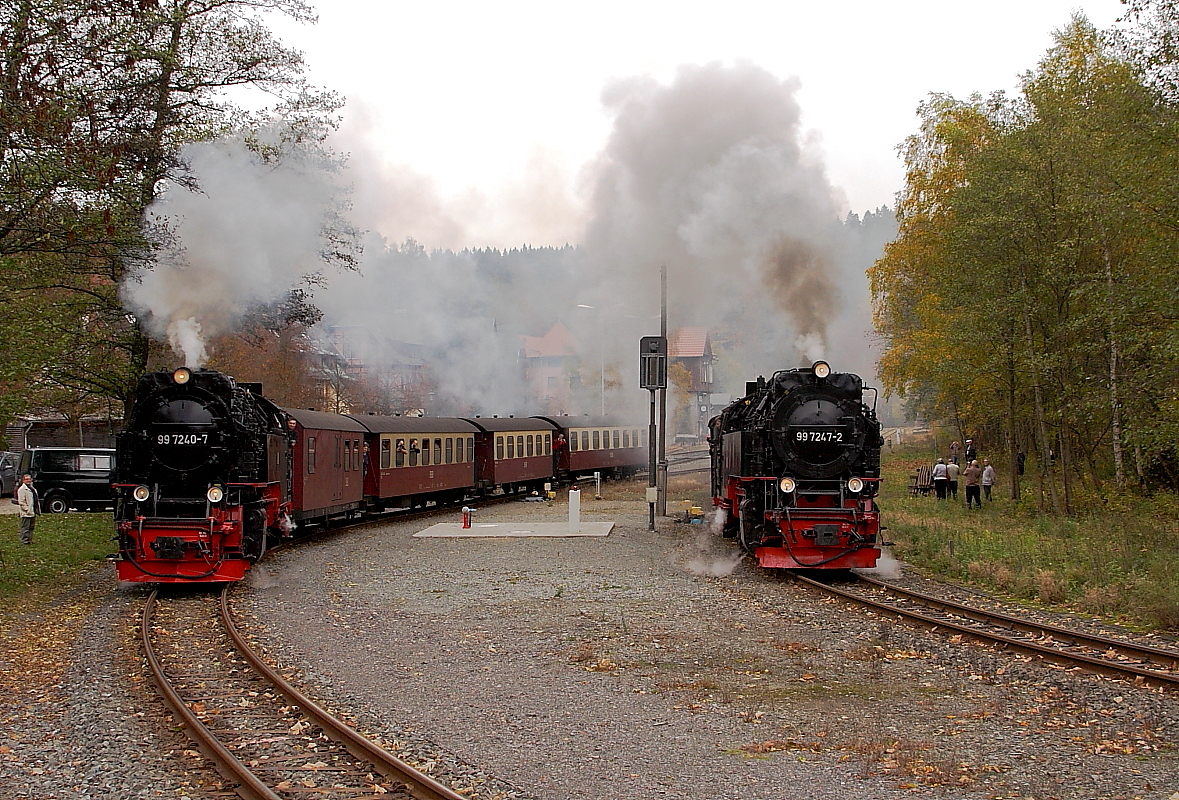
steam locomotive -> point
(208, 470)
(200, 478)
(796, 468)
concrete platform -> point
(514, 529)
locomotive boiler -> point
(201, 478)
(796, 469)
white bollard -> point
(574, 511)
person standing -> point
(955, 448)
(26, 498)
(971, 451)
(939, 479)
(952, 480)
(972, 476)
(988, 478)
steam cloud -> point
(711, 175)
(252, 232)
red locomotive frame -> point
(829, 530)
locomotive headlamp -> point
(182, 375)
(141, 493)
(855, 485)
(822, 369)
(787, 485)
(215, 494)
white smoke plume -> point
(253, 231)
(714, 177)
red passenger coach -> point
(513, 453)
(416, 459)
(326, 471)
(600, 444)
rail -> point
(1037, 641)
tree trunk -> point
(1044, 458)
(1066, 464)
(1012, 462)
(1115, 403)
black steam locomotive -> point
(201, 476)
(795, 468)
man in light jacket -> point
(26, 498)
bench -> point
(921, 482)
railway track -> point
(263, 735)
(688, 462)
(1117, 658)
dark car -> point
(70, 477)
(8, 474)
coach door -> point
(338, 473)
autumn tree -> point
(99, 100)
(1028, 280)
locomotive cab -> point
(796, 468)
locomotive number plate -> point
(182, 438)
(827, 434)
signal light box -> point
(653, 362)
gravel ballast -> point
(638, 665)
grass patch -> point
(63, 544)
(1114, 560)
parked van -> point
(70, 477)
(8, 464)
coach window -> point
(520, 446)
(585, 440)
(310, 455)
(499, 448)
(597, 440)
(548, 444)
(573, 441)
(626, 438)
(511, 447)
(449, 450)
(458, 450)
(528, 441)
(399, 461)
(425, 452)
(437, 451)
(386, 452)
(615, 435)
(414, 451)
(347, 455)
(356, 455)
(470, 448)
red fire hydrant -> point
(467, 512)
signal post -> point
(652, 377)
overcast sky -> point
(480, 105)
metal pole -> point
(651, 472)
(663, 398)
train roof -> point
(591, 421)
(511, 424)
(321, 420)
(377, 423)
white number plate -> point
(835, 437)
(182, 438)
